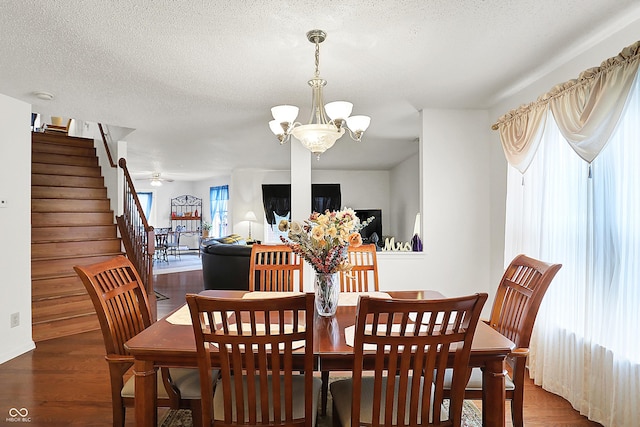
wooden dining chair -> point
(363, 275)
(121, 304)
(160, 249)
(513, 314)
(275, 268)
(261, 345)
(408, 344)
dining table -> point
(170, 342)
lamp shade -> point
(275, 127)
(358, 123)
(285, 113)
(250, 216)
(338, 110)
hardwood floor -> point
(65, 381)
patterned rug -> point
(471, 416)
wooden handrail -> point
(106, 146)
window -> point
(586, 217)
(146, 201)
(219, 210)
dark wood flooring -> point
(65, 381)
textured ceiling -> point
(196, 79)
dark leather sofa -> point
(225, 263)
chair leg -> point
(196, 412)
(334, 416)
(324, 391)
(517, 408)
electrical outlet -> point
(15, 320)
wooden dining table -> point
(171, 343)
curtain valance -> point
(586, 110)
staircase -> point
(71, 224)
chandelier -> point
(327, 123)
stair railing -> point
(138, 237)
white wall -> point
(15, 259)
(404, 198)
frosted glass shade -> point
(275, 127)
(285, 113)
(317, 138)
(338, 110)
(358, 123)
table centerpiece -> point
(323, 241)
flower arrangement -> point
(323, 239)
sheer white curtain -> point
(586, 342)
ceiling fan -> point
(157, 180)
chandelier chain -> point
(317, 57)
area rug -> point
(471, 416)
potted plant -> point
(206, 228)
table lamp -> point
(250, 216)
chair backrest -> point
(275, 268)
(410, 343)
(120, 301)
(245, 332)
(519, 296)
(161, 240)
(363, 276)
(173, 238)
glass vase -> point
(327, 288)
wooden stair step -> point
(46, 192)
(65, 233)
(49, 250)
(65, 170)
(69, 150)
(52, 268)
(46, 310)
(67, 181)
(63, 159)
(64, 327)
(70, 205)
(53, 287)
(50, 219)
(61, 139)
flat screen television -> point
(374, 227)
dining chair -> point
(160, 248)
(363, 275)
(408, 344)
(275, 268)
(122, 308)
(173, 242)
(513, 314)
(260, 345)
